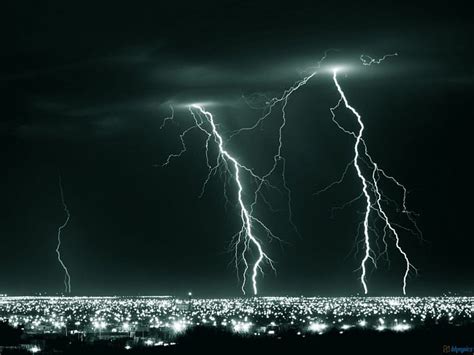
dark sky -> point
(85, 88)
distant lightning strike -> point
(67, 277)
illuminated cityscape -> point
(157, 321)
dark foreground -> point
(436, 339)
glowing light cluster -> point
(317, 327)
(258, 316)
(178, 326)
(241, 327)
(401, 327)
(35, 349)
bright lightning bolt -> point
(370, 184)
(204, 121)
(67, 277)
(367, 255)
(245, 214)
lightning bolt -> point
(67, 277)
(370, 185)
(169, 118)
(368, 60)
(245, 238)
(367, 255)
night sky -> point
(85, 89)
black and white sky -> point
(85, 88)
